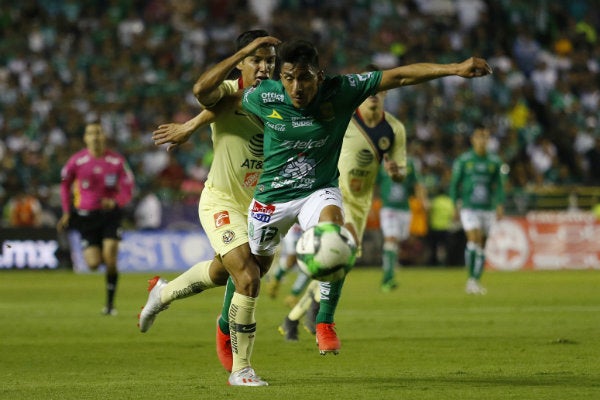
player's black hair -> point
(299, 51)
(245, 38)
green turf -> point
(535, 335)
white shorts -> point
(268, 223)
(395, 223)
(482, 220)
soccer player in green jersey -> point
(237, 141)
(305, 116)
(395, 217)
(374, 139)
(477, 190)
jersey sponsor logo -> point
(302, 122)
(272, 97)
(228, 236)
(221, 218)
(261, 212)
(274, 114)
(82, 160)
(365, 76)
(304, 144)
(251, 179)
(298, 167)
(252, 164)
(364, 157)
(359, 172)
(275, 127)
(298, 172)
(110, 180)
(351, 80)
(356, 185)
(112, 160)
(255, 145)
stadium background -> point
(132, 64)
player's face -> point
(94, 138)
(375, 102)
(301, 82)
(480, 140)
(259, 65)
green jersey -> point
(477, 181)
(302, 146)
(396, 194)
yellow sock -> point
(304, 303)
(242, 328)
(191, 282)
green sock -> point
(224, 319)
(478, 264)
(470, 260)
(389, 264)
(330, 295)
(280, 272)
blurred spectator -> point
(23, 210)
(441, 221)
(131, 61)
(593, 163)
(148, 210)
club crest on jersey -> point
(251, 179)
(384, 143)
(228, 236)
(221, 218)
(261, 212)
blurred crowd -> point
(131, 65)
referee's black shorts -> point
(95, 226)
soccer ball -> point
(326, 252)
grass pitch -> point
(535, 335)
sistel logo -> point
(221, 218)
(262, 212)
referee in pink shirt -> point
(96, 184)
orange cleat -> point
(224, 348)
(327, 339)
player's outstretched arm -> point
(206, 88)
(413, 74)
(175, 134)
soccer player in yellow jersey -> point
(237, 140)
(373, 137)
